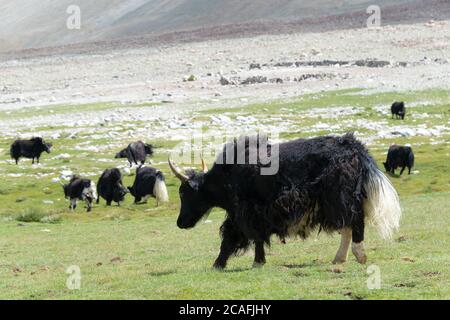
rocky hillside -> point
(33, 24)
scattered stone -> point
(224, 81)
(254, 79)
(62, 156)
(255, 66)
(66, 175)
(315, 52)
(116, 260)
(189, 78)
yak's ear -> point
(194, 184)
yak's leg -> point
(37, 158)
(145, 200)
(73, 204)
(89, 205)
(32, 161)
(230, 241)
(17, 160)
(260, 255)
(358, 238)
(108, 202)
(409, 170)
(342, 253)
(401, 171)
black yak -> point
(110, 187)
(399, 156)
(136, 152)
(31, 149)
(149, 182)
(325, 183)
(80, 189)
(398, 109)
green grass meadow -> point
(137, 252)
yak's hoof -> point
(339, 260)
(218, 266)
(258, 264)
(362, 259)
(358, 251)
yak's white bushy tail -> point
(160, 189)
(94, 190)
(382, 206)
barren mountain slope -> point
(33, 24)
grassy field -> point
(137, 252)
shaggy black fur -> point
(31, 149)
(110, 187)
(319, 185)
(136, 152)
(399, 156)
(144, 183)
(398, 109)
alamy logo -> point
(374, 280)
(73, 281)
(73, 22)
(374, 19)
(225, 148)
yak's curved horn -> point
(204, 167)
(177, 172)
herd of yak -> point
(328, 183)
(148, 181)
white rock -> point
(62, 156)
(66, 175)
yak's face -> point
(47, 147)
(194, 203)
(41, 144)
(66, 190)
(131, 190)
(386, 166)
(121, 154)
(119, 193)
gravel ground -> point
(416, 57)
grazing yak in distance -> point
(149, 182)
(110, 187)
(326, 183)
(398, 109)
(80, 189)
(399, 156)
(136, 152)
(31, 149)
